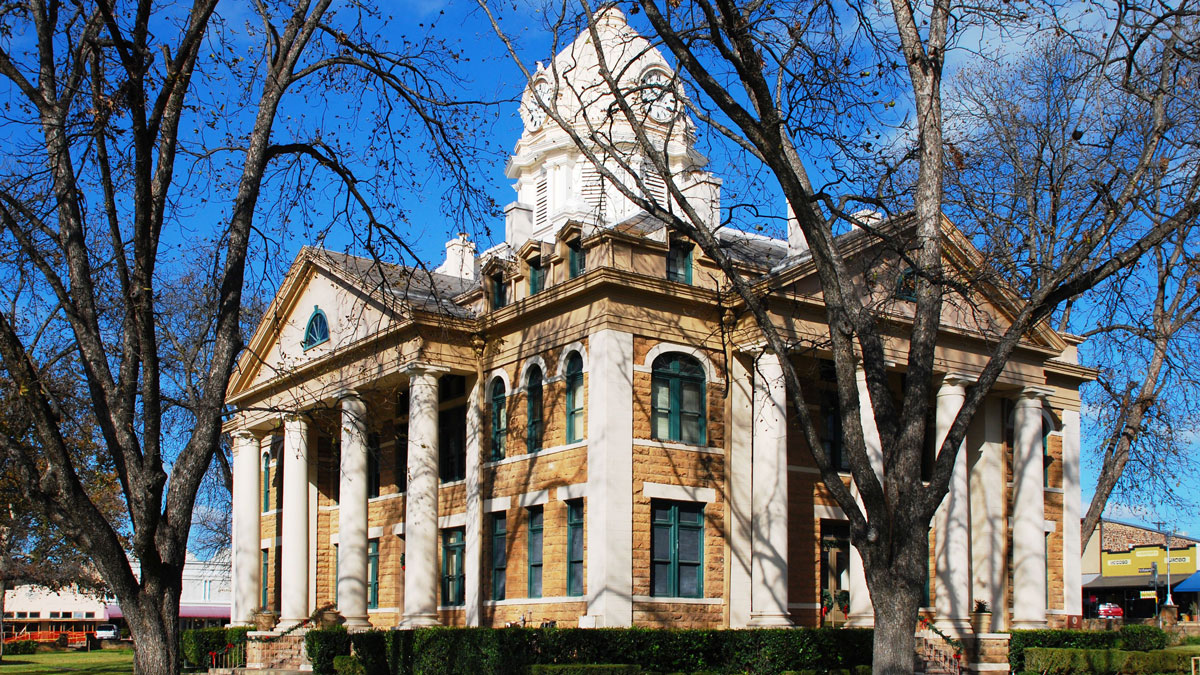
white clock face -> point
(658, 96)
(531, 111)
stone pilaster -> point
(740, 472)
(1072, 555)
(473, 564)
(769, 525)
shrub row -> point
(198, 642)
(484, 651)
(20, 648)
(1046, 660)
(1133, 638)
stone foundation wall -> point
(272, 650)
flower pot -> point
(265, 620)
(981, 622)
(331, 618)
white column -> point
(352, 514)
(421, 507)
(473, 565)
(862, 611)
(1029, 514)
(247, 503)
(294, 555)
(989, 507)
(769, 526)
(739, 468)
(610, 481)
(1072, 554)
(952, 521)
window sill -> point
(549, 600)
(451, 483)
(678, 601)
(676, 445)
(529, 455)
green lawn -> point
(105, 662)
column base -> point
(239, 624)
(352, 622)
(770, 620)
(420, 621)
(860, 621)
(954, 627)
(288, 624)
(1028, 624)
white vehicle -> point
(107, 631)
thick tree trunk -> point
(895, 581)
(154, 627)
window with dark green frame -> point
(317, 330)
(533, 409)
(266, 482)
(499, 418)
(401, 457)
(453, 577)
(678, 399)
(575, 547)
(372, 465)
(499, 555)
(537, 276)
(499, 291)
(372, 574)
(679, 262)
(576, 263)
(535, 552)
(452, 444)
(831, 431)
(262, 580)
(574, 398)
(676, 549)
(906, 286)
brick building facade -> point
(578, 425)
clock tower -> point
(575, 99)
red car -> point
(1111, 610)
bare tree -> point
(1033, 138)
(781, 81)
(140, 136)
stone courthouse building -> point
(580, 424)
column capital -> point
(422, 368)
(294, 417)
(1031, 394)
(245, 435)
(956, 381)
(347, 394)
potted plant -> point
(981, 617)
(331, 617)
(265, 620)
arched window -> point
(533, 409)
(499, 419)
(317, 331)
(677, 399)
(574, 398)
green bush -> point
(1073, 639)
(1142, 638)
(198, 642)
(586, 669)
(345, 664)
(371, 651)
(1104, 661)
(323, 645)
(21, 648)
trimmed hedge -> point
(1046, 660)
(585, 669)
(1132, 638)
(371, 651)
(324, 645)
(198, 642)
(345, 664)
(501, 651)
(1143, 638)
(20, 648)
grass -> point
(105, 662)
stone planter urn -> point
(981, 617)
(265, 620)
(331, 618)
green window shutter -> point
(678, 399)
(499, 418)
(499, 556)
(679, 262)
(676, 549)
(535, 552)
(533, 409)
(373, 574)
(575, 547)
(266, 482)
(537, 276)
(574, 398)
(576, 263)
(262, 580)
(453, 579)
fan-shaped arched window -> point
(499, 418)
(678, 399)
(574, 398)
(533, 409)
(317, 331)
